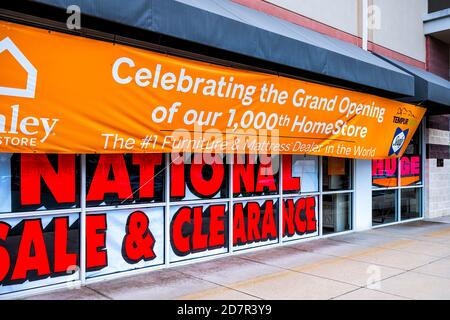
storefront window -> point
(42, 251)
(336, 174)
(121, 240)
(198, 231)
(411, 162)
(391, 200)
(411, 203)
(384, 209)
(300, 174)
(385, 173)
(32, 182)
(198, 176)
(127, 226)
(255, 175)
(117, 179)
(300, 218)
(255, 223)
(336, 205)
(337, 212)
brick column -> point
(438, 57)
(437, 179)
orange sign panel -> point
(61, 93)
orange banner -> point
(61, 93)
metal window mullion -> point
(253, 198)
(280, 198)
(198, 201)
(338, 191)
(422, 171)
(230, 204)
(83, 221)
(411, 187)
(352, 194)
(320, 196)
(399, 205)
(385, 188)
(40, 213)
(301, 195)
(395, 223)
(126, 207)
(167, 209)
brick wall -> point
(437, 190)
(438, 57)
(437, 179)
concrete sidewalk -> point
(406, 261)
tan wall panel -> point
(340, 14)
(401, 27)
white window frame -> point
(399, 188)
(83, 210)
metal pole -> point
(230, 202)
(83, 221)
(365, 30)
(167, 210)
(280, 198)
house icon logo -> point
(7, 45)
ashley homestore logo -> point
(7, 45)
(16, 128)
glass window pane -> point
(411, 162)
(255, 223)
(336, 174)
(300, 218)
(337, 212)
(198, 176)
(255, 175)
(115, 179)
(384, 206)
(411, 203)
(198, 231)
(385, 173)
(30, 182)
(112, 244)
(300, 174)
(33, 260)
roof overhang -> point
(430, 89)
(235, 28)
(437, 24)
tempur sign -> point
(17, 130)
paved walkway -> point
(407, 261)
